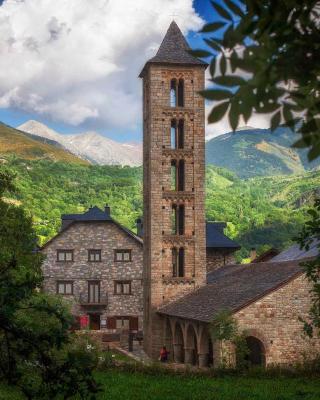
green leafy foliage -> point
(224, 329)
(309, 235)
(261, 212)
(38, 353)
(273, 47)
(223, 326)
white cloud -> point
(261, 121)
(78, 60)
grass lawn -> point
(119, 385)
(138, 386)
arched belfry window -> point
(177, 93)
(173, 93)
(173, 134)
(177, 134)
(178, 262)
(180, 93)
(181, 175)
(177, 220)
(180, 134)
(177, 175)
(173, 177)
(174, 262)
(181, 262)
(174, 218)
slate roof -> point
(217, 239)
(174, 50)
(232, 287)
(94, 214)
(295, 253)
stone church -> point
(177, 273)
(180, 296)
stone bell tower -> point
(173, 180)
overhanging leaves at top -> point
(273, 49)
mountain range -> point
(90, 146)
(30, 147)
(248, 152)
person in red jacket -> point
(164, 353)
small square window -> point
(122, 255)
(65, 287)
(122, 287)
(64, 255)
(94, 255)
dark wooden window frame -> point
(60, 251)
(122, 282)
(64, 282)
(94, 251)
(117, 251)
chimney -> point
(107, 210)
(253, 254)
(139, 224)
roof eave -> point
(202, 64)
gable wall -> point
(274, 320)
(105, 236)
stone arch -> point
(191, 345)
(205, 349)
(257, 354)
(259, 335)
(178, 343)
(258, 347)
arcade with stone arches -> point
(190, 342)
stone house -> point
(265, 298)
(96, 264)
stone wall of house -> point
(274, 320)
(217, 259)
(106, 236)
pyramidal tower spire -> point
(173, 50)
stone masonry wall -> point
(274, 320)
(106, 236)
(217, 259)
(160, 285)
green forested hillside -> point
(261, 212)
(259, 152)
(15, 142)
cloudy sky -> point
(74, 64)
